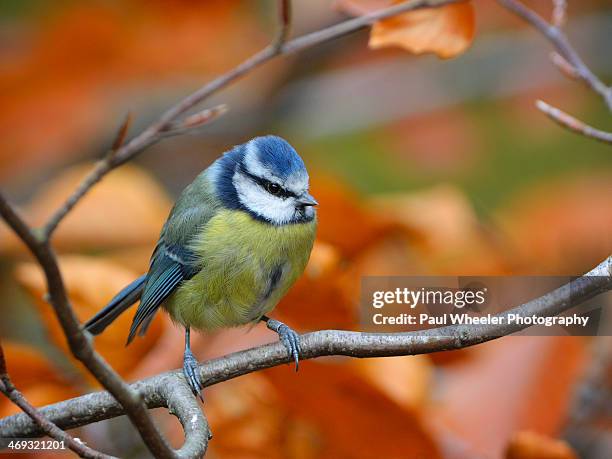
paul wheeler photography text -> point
(433, 304)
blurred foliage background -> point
(421, 165)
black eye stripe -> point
(264, 183)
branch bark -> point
(567, 121)
(568, 61)
(100, 405)
(559, 40)
(46, 427)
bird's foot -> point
(289, 338)
(192, 374)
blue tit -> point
(236, 240)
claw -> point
(289, 338)
(190, 370)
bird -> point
(235, 241)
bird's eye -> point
(273, 188)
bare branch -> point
(100, 405)
(195, 121)
(569, 122)
(154, 132)
(180, 402)
(559, 40)
(46, 427)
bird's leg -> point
(191, 368)
(289, 338)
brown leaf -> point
(447, 233)
(27, 365)
(446, 31)
(515, 383)
(349, 417)
(406, 380)
(55, 90)
(316, 301)
(563, 226)
(343, 222)
(91, 282)
(35, 376)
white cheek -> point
(256, 199)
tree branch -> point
(567, 60)
(154, 132)
(46, 427)
(100, 405)
(559, 40)
(573, 124)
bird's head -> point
(266, 178)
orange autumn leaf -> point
(336, 403)
(406, 380)
(445, 228)
(446, 31)
(35, 376)
(511, 384)
(248, 419)
(127, 208)
(343, 221)
(27, 365)
(531, 445)
(562, 226)
(79, 53)
(91, 282)
(38, 395)
(316, 301)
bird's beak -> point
(307, 200)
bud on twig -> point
(564, 67)
(195, 121)
(122, 132)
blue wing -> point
(170, 265)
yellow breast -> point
(246, 268)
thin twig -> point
(195, 121)
(122, 133)
(46, 427)
(567, 121)
(100, 405)
(284, 19)
(559, 40)
(154, 132)
(564, 67)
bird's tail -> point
(123, 300)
